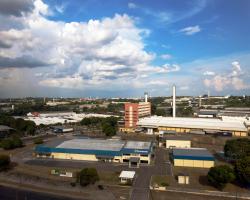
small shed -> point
(127, 176)
(183, 178)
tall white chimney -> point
(174, 109)
(146, 97)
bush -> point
(73, 184)
(87, 176)
(219, 176)
(100, 187)
(38, 141)
(4, 162)
(11, 143)
(7, 144)
(164, 184)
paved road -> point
(7, 193)
(140, 190)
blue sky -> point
(123, 48)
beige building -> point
(156, 124)
(192, 157)
(177, 143)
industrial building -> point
(132, 152)
(177, 142)
(134, 111)
(48, 118)
(155, 124)
(192, 157)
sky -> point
(121, 48)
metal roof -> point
(93, 144)
(196, 123)
(127, 174)
(137, 145)
(192, 154)
(97, 147)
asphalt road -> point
(7, 193)
(140, 190)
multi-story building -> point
(134, 111)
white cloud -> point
(166, 56)
(132, 5)
(209, 73)
(185, 87)
(233, 79)
(81, 54)
(190, 30)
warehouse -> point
(192, 157)
(177, 142)
(155, 124)
(131, 152)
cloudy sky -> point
(122, 48)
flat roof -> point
(99, 147)
(127, 174)
(192, 154)
(196, 123)
(93, 144)
(137, 145)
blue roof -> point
(98, 147)
(192, 154)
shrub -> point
(11, 143)
(100, 187)
(7, 144)
(164, 184)
(87, 176)
(38, 141)
(4, 161)
(73, 184)
(219, 176)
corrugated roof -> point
(196, 123)
(93, 144)
(127, 174)
(192, 154)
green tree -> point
(108, 130)
(242, 170)
(87, 176)
(17, 142)
(219, 176)
(236, 149)
(160, 112)
(7, 144)
(4, 161)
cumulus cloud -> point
(166, 56)
(209, 73)
(79, 54)
(190, 30)
(220, 82)
(132, 5)
(21, 62)
(16, 7)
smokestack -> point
(146, 97)
(174, 110)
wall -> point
(178, 143)
(193, 163)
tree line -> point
(238, 152)
(108, 124)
